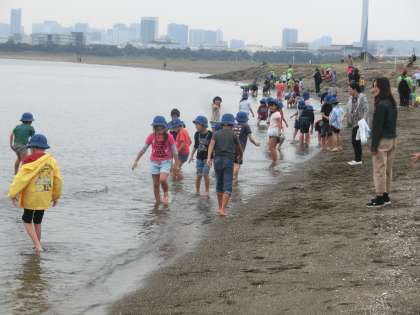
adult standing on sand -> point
(318, 81)
(404, 88)
(384, 141)
(357, 109)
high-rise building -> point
(237, 44)
(203, 37)
(323, 41)
(4, 30)
(290, 36)
(178, 33)
(365, 25)
(149, 29)
(219, 35)
(81, 28)
(15, 21)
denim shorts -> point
(183, 157)
(223, 168)
(157, 168)
(202, 168)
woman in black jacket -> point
(384, 140)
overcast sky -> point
(251, 20)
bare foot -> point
(205, 194)
(38, 250)
(222, 213)
(166, 199)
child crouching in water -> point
(202, 140)
(37, 186)
(163, 152)
(226, 148)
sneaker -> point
(376, 203)
(387, 200)
(354, 163)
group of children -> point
(37, 184)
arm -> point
(239, 151)
(378, 121)
(253, 140)
(12, 139)
(139, 156)
(57, 186)
(210, 152)
(365, 107)
(21, 180)
(175, 156)
(283, 119)
(192, 154)
(181, 145)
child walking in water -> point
(275, 130)
(163, 152)
(216, 111)
(202, 140)
(37, 186)
(20, 136)
(226, 148)
(243, 132)
(183, 142)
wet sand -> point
(307, 246)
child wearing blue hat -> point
(163, 152)
(20, 136)
(183, 143)
(37, 186)
(262, 111)
(202, 140)
(226, 148)
(243, 131)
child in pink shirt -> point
(163, 152)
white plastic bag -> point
(364, 131)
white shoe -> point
(354, 163)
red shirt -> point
(32, 157)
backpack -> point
(403, 87)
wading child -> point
(175, 114)
(243, 131)
(202, 140)
(216, 111)
(306, 124)
(37, 186)
(301, 106)
(163, 152)
(325, 122)
(263, 110)
(20, 136)
(336, 122)
(183, 142)
(275, 130)
(226, 148)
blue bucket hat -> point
(263, 101)
(27, 117)
(306, 95)
(159, 121)
(271, 101)
(38, 141)
(331, 100)
(228, 119)
(201, 120)
(176, 123)
(242, 117)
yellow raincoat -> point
(37, 184)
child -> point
(20, 136)
(297, 115)
(262, 111)
(325, 122)
(37, 186)
(202, 140)
(243, 132)
(175, 114)
(280, 87)
(183, 142)
(216, 111)
(275, 129)
(226, 148)
(306, 123)
(336, 121)
(163, 152)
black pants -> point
(357, 145)
(317, 87)
(34, 216)
(404, 99)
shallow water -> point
(105, 236)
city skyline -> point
(236, 22)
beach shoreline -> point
(306, 245)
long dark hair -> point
(385, 92)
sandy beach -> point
(306, 246)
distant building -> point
(393, 47)
(74, 39)
(341, 50)
(324, 41)
(4, 30)
(219, 35)
(178, 33)
(203, 38)
(298, 46)
(237, 44)
(290, 36)
(135, 32)
(16, 21)
(50, 27)
(81, 27)
(149, 29)
(365, 26)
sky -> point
(250, 20)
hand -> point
(55, 202)
(14, 201)
(210, 162)
(135, 165)
(415, 157)
(191, 160)
(257, 144)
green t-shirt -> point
(22, 133)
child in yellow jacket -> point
(37, 186)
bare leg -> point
(225, 202)
(32, 234)
(207, 184)
(301, 139)
(236, 169)
(273, 150)
(220, 200)
(198, 184)
(156, 188)
(38, 230)
(17, 164)
(163, 180)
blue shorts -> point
(156, 168)
(224, 174)
(202, 168)
(183, 157)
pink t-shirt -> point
(161, 150)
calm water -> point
(105, 236)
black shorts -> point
(34, 216)
(304, 124)
(335, 130)
(325, 129)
